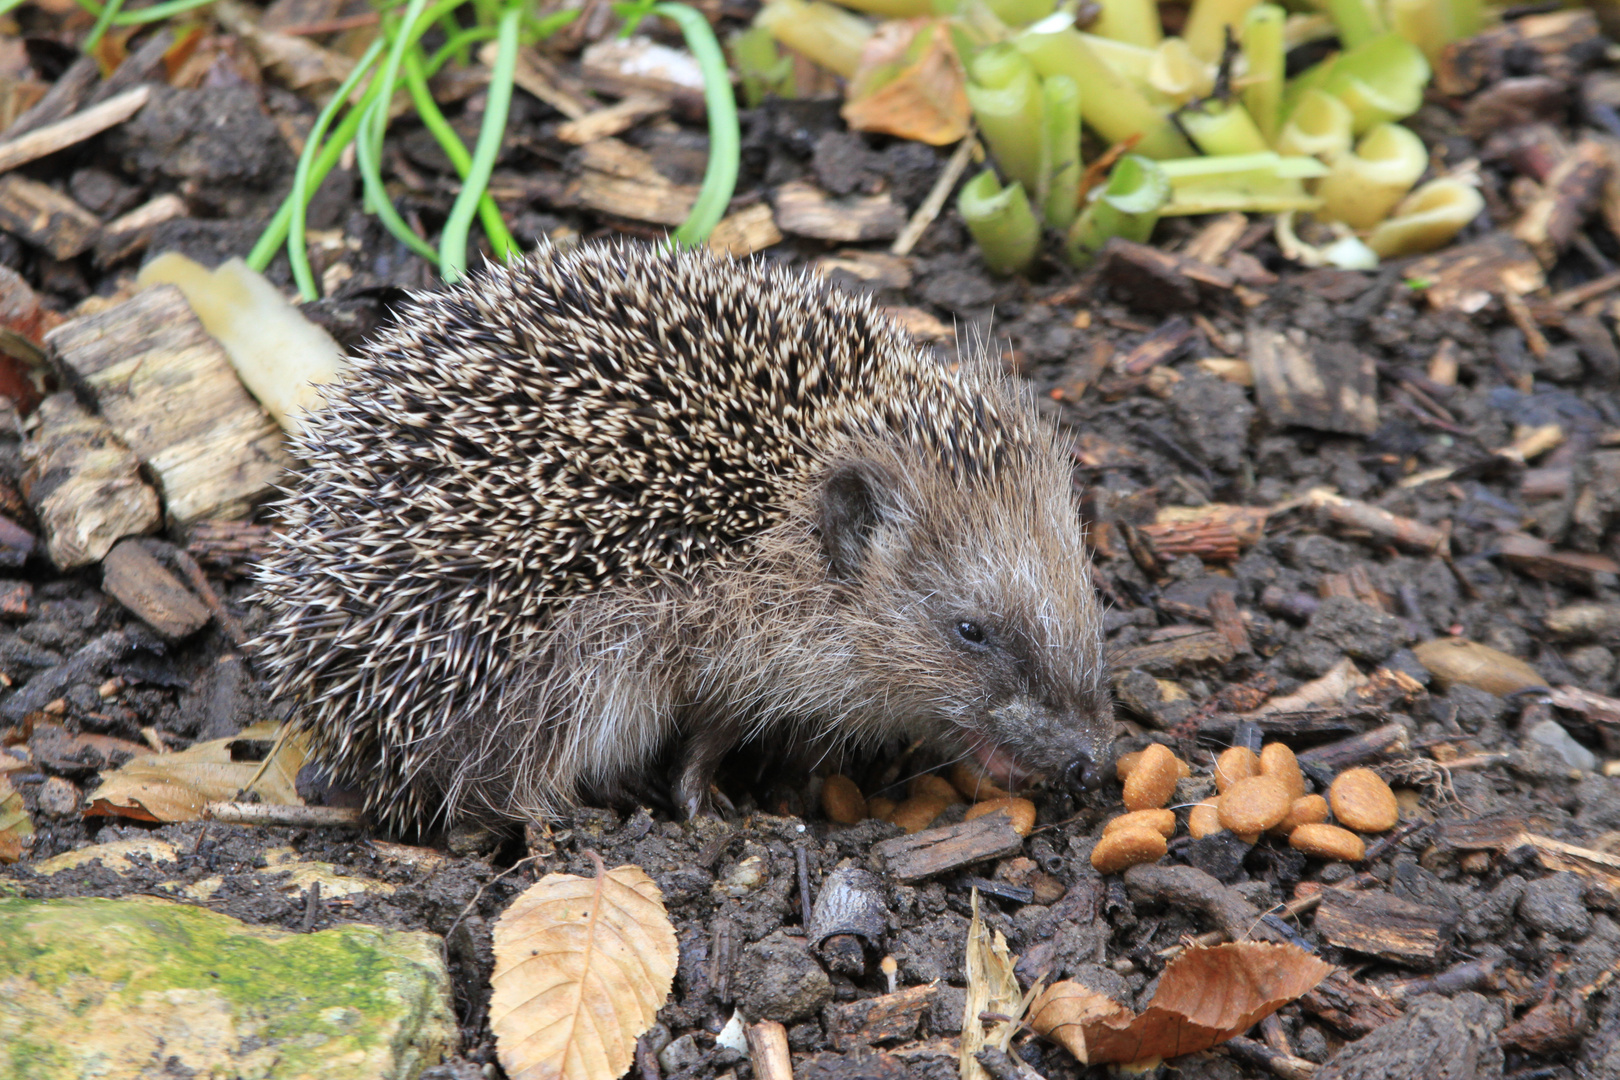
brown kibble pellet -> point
(974, 785)
(1204, 819)
(1307, 810)
(1153, 781)
(1124, 848)
(1278, 761)
(1125, 763)
(918, 812)
(1363, 802)
(880, 807)
(1022, 812)
(1254, 804)
(842, 801)
(1162, 822)
(934, 787)
(1237, 763)
(1327, 842)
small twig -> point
(307, 817)
(935, 202)
(72, 130)
(768, 1051)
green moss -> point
(72, 970)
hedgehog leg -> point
(697, 759)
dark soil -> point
(1523, 974)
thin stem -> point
(103, 21)
(158, 12)
(368, 143)
(488, 213)
(276, 232)
(302, 191)
(725, 138)
(453, 240)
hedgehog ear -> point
(855, 501)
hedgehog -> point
(617, 510)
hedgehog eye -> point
(970, 632)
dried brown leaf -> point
(910, 83)
(1326, 692)
(15, 825)
(992, 987)
(176, 787)
(1205, 997)
(582, 966)
(1459, 660)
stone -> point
(779, 979)
(1551, 734)
(1556, 905)
(108, 987)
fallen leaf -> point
(1459, 660)
(15, 825)
(1326, 692)
(910, 84)
(176, 787)
(1205, 997)
(991, 987)
(582, 966)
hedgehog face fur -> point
(603, 502)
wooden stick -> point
(768, 1051)
(935, 202)
(313, 817)
(75, 129)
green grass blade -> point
(453, 240)
(725, 138)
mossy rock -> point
(140, 986)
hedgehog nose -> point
(1083, 773)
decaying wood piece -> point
(72, 130)
(1356, 517)
(130, 233)
(1154, 280)
(1535, 557)
(1229, 621)
(1218, 532)
(1355, 1008)
(1597, 708)
(1332, 387)
(604, 123)
(805, 210)
(1468, 277)
(170, 393)
(751, 229)
(621, 180)
(1165, 657)
(45, 217)
(1556, 44)
(879, 1019)
(932, 852)
(1567, 198)
(64, 97)
(228, 548)
(16, 544)
(1379, 744)
(83, 484)
(540, 77)
(1383, 925)
(1160, 347)
(147, 588)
